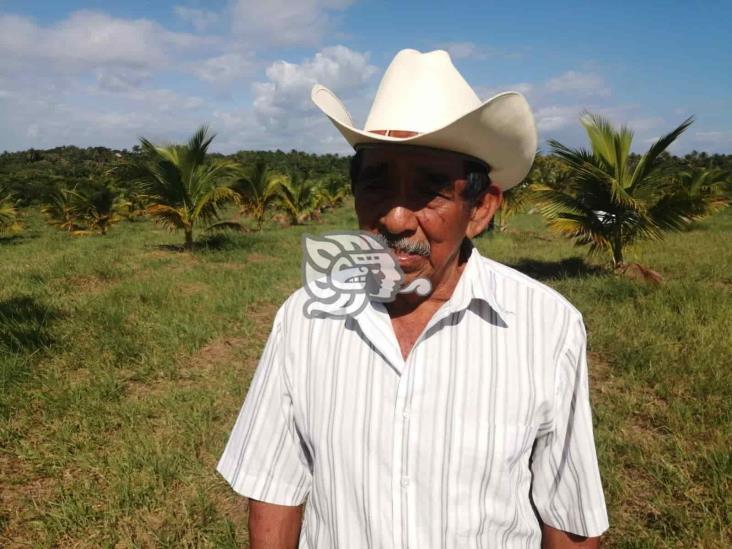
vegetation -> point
(123, 365)
(302, 198)
(608, 202)
(8, 214)
(260, 189)
(184, 188)
(91, 210)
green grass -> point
(123, 364)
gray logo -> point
(341, 271)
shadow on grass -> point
(213, 243)
(17, 239)
(25, 324)
(571, 267)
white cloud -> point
(461, 50)
(581, 83)
(121, 79)
(201, 20)
(225, 68)
(284, 22)
(713, 140)
(87, 40)
(555, 117)
(645, 123)
(711, 136)
(287, 91)
(471, 50)
(283, 115)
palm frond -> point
(649, 161)
(168, 216)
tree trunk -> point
(617, 252)
(189, 239)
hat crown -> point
(420, 92)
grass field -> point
(123, 364)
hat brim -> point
(501, 131)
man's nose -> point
(397, 213)
(399, 219)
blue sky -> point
(103, 73)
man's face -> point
(416, 194)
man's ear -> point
(483, 210)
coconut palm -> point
(185, 189)
(60, 211)
(513, 201)
(607, 201)
(97, 208)
(546, 170)
(8, 214)
(259, 189)
(301, 198)
(704, 189)
(333, 191)
(133, 201)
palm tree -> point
(185, 189)
(607, 201)
(259, 189)
(704, 189)
(96, 207)
(60, 210)
(513, 201)
(301, 198)
(333, 190)
(8, 214)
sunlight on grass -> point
(123, 365)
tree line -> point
(604, 196)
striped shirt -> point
(485, 427)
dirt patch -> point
(636, 271)
(212, 356)
(233, 507)
(158, 254)
(241, 265)
(649, 408)
(263, 314)
(22, 492)
(230, 266)
(219, 351)
(192, 288)
(179, 515)
(87, 284)
(602, 380)
(258, 258)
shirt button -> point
(405, 414)
(405, 481)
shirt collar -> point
(477, 281)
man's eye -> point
(371, 184)
(437, 187)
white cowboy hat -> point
(423, 100)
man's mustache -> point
(404, 244)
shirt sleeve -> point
(264, 458)
(566, 489)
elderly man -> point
(460, 418)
